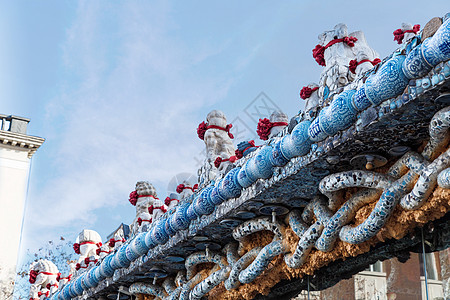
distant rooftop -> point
(14, 123)
(13, 132)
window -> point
(431, 266)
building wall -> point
(16, 150)
(393, 280)
(14, 172)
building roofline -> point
(24, 142)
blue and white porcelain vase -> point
(436, 49)
(259, 166)
(388, 82)
(149, 242)
(201, 204)
(243, 178)
(340, 115)
(229, 186)
(315, 131)
(69, 291)
(277, 157)
(88, 280)
(120, 258)
(73, 289)
(106, 270)
(158, 232)
(190, 212)
(415, 64)
(297, 143)
(138, 244)
(131, 254)
(215, 196)
(179, 220)
(170, 231)
(65, 293)
(97, 276)
(78, 288)
(359, 100)
(83, 281)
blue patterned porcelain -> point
(138, 244)
(340, 115)
(246, 145)
(190, 213)
(106, 270)
(326, 92)
(121, 258)
(229, 186)
(56, 295)
(298, 142)
(446, 17)
(215, 197)
(93, 276)
(413, 44)
(72, 290)
(360, 101)
(446, 70)
(66, 293)
(131, 254)
(158, 232)
(426, 82)
(78, 288)
(277, 158)
(179, 220)
(201, 204)
(437, 48)
(170, 231)
(88, 280)
(415, 64)
(243, 178)
(114, 263)
(315, 130)
(259, 166)
(149, 242)
(97, 275)
(388, 82)
(435, 79)
(83, 281)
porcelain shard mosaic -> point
(291, 186)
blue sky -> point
(118, 88)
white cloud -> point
(128, 110)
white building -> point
(16, 151)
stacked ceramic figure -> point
(172, 201)
(88, 243)
(335, 51)
(310, 94)
(268, 128)
(404, 34)
(143, 197)
(219, 145)
(103, 250)
(116, 241)
(44, 277)
(186, 189)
